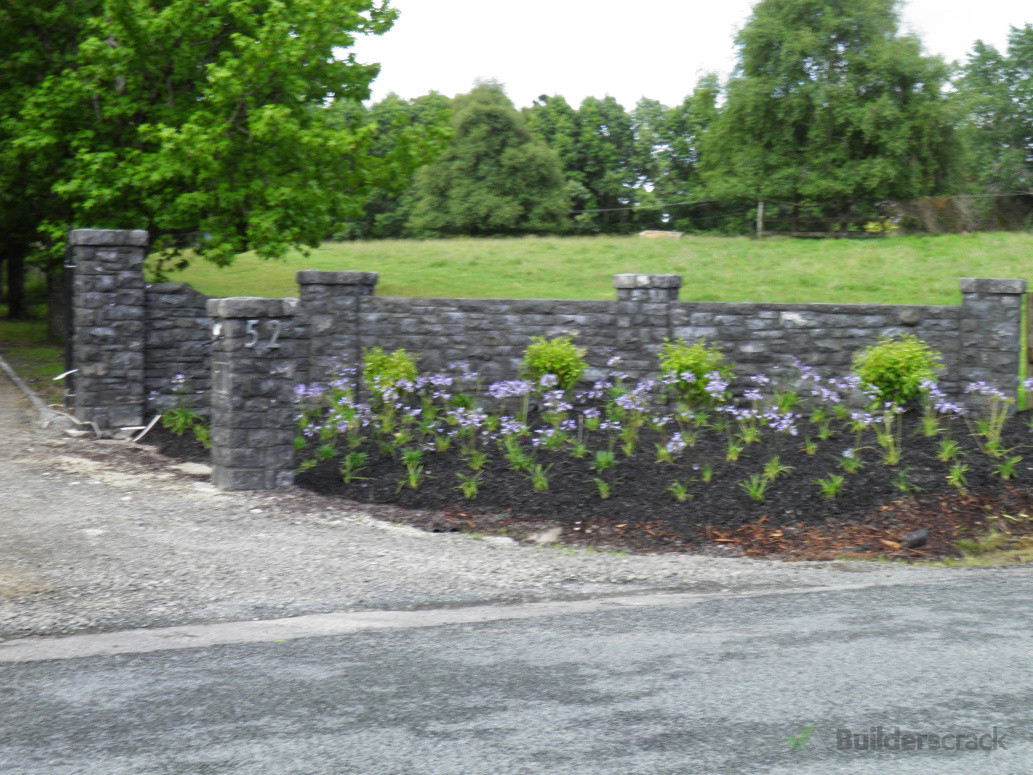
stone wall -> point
(979, 339)
(490, 335)
(178, 341)
(129, 339)
(760, 337)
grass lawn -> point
(24, 345)
(897, 270)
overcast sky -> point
(580, 48)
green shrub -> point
(690, 365)
(894, 369)
(559, 357)
(382, 371)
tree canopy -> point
(409, 134)
(494, 177)
(996, 90)
(829, 103)
(201, 122)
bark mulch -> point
(877, 506)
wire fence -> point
(955, 214)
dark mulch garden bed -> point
(875, 508)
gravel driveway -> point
(100, 536)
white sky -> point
(580, 48)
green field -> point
(24, 345)
(897, 270)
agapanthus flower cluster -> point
(555, 402)
(514, 388)
(676, 444)
(781, 422)
(467, 419)
(715, 385)
(983, 388)
(637, 399)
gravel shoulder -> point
(103, 536)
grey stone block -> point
(316, 277)
(108, 237)
(622, 281)
(974, 285)
(249, 307)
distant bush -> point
(894, 369)
(559, 357)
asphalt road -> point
(682, 684)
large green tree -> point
(666, 159)
(409, 134)
(39, 41)
(553, 120)
(996, 92)
(201, 122)
(596, 145)
(495, 177)
(830, 104)
(607, 142)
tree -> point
(409, 135)
(996, 92)
(38, 41)
(596, 145)
(494, 177)
(666, 157)
(607, 142)
(554, 121)
(201, 122)
(830, 104)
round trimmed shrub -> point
(559, 357)
(894, 369)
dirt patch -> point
(21, 584)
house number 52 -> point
(253, 336)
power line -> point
(916, 199)
(644, 207)
(769, 201)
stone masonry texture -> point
(109, 321)
(178, 342)
(255, 354)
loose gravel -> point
(102, 536)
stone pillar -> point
(254, 360)
(647, 287)
(643, 318)
(330, 303)
(991, 332)
(108, 322)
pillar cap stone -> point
(623, 281)
(974, 285)
(109, 237)
(316, 277)
(251, 307)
